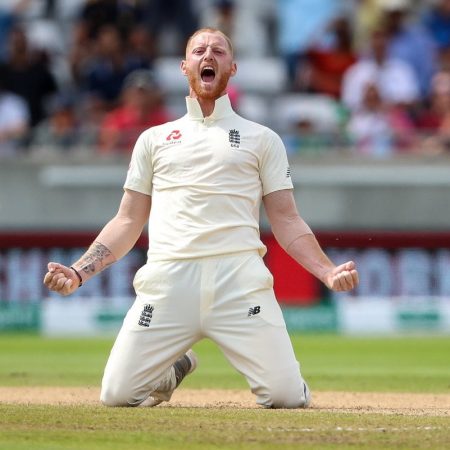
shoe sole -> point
(152, 401)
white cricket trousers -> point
(228, 299)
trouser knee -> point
(118, 395)
(287, 400)
(111, 397)
(291, 395)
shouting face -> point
(208, 65)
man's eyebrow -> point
(218, 45)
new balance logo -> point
(288, 172)
(253, 311)
(146, 316)
(234, 137)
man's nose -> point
(208, 53)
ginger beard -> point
(208, 86)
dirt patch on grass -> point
(351, 402)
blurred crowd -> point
(76, 76)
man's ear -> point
(233, 69)
(183, 67)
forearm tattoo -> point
(97, 258)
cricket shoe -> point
(182, 367)
(307, 396)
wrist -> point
(80, 279)
(326, 272)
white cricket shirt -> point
(207, 176)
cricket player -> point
(199, 182)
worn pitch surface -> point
(359, 402)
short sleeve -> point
(140, 173)
(275, 172)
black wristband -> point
(78, 275)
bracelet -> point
(78, 275)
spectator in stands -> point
(224, 16)
(47, 23)
(95, 14)
(366, 18)
(14, 120)
(304, 138)
(327, 62)
(299, 24)
(409, 41)
(123, 15)
(81, 51)
(61, 131)
(437, 22)
(28, 75)
(108, 66)
(142, 107)
(247, 22)
(9, 16)
(379, 129)
(140, 45)
(434, 122)
(394, 78)
(171, 22)
(91, 112)
(309, 123)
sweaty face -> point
(208, 65)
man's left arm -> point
(297, 239)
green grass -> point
(63, 427)
(413, 364)
(403, 364)
(406, 364)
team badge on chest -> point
(235, 138)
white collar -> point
(222, 108)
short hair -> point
(211, 30)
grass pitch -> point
(97, 428)
(413, 364)
(329, 362)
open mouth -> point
(208, 74)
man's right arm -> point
(115, 240)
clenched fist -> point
(61, 279)
(342, 278)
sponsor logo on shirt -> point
(174, 137)
(253, 311)
(235, 138)
(288, 172)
